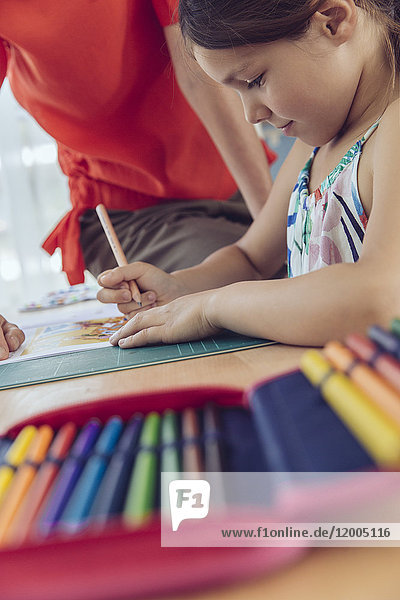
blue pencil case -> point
(281, 424)
(299, 431)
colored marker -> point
(377, 388)
(68, 477)
(5, 444)
(192, 456)
(212, 440)
(395, 327)
(140, 501)
(379, 435)
(78, 507)
(213, 453)
(23, 478)
(111, 494)
(170, 461)
(384, 363)
(388, 341)
(26, 516)
(14, 457)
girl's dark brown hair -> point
(217, 24)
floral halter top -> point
(328, 225)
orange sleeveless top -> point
(97, 76)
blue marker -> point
(68, 476)
(110, 497)
(388, 341)
(77, 510)
(5, 444)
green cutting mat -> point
(113, 358)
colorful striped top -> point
(328, 225)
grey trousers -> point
(173, 235)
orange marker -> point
(33, 500)
(23, 478)
(116, 248)
(384, 363)
(379, 390)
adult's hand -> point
(11, 337)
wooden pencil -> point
(116, 248)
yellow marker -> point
(23, 478)
(375, 431)
(14, 457)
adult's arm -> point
(11, 337)
(3, 62)
(261, 252)
(221, 113)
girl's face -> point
(304, 87)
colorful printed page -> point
(63, 338)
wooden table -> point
(236, 369)
(323, 574)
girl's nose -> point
(256, 112)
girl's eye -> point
(255, 82)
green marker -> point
(140, 499)
(169, 443)
(395, 327)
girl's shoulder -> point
(390, 118)
(385, 157)
(387, 142)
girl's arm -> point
(329, 303)
(313, 308)
(260, 253)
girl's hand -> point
(11, 337)
(156, 287)
(182, 320)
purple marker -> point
(68, 476)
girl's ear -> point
(337, 19)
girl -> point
(326, 72)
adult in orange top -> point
(133, 133)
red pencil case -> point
(120, 562)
